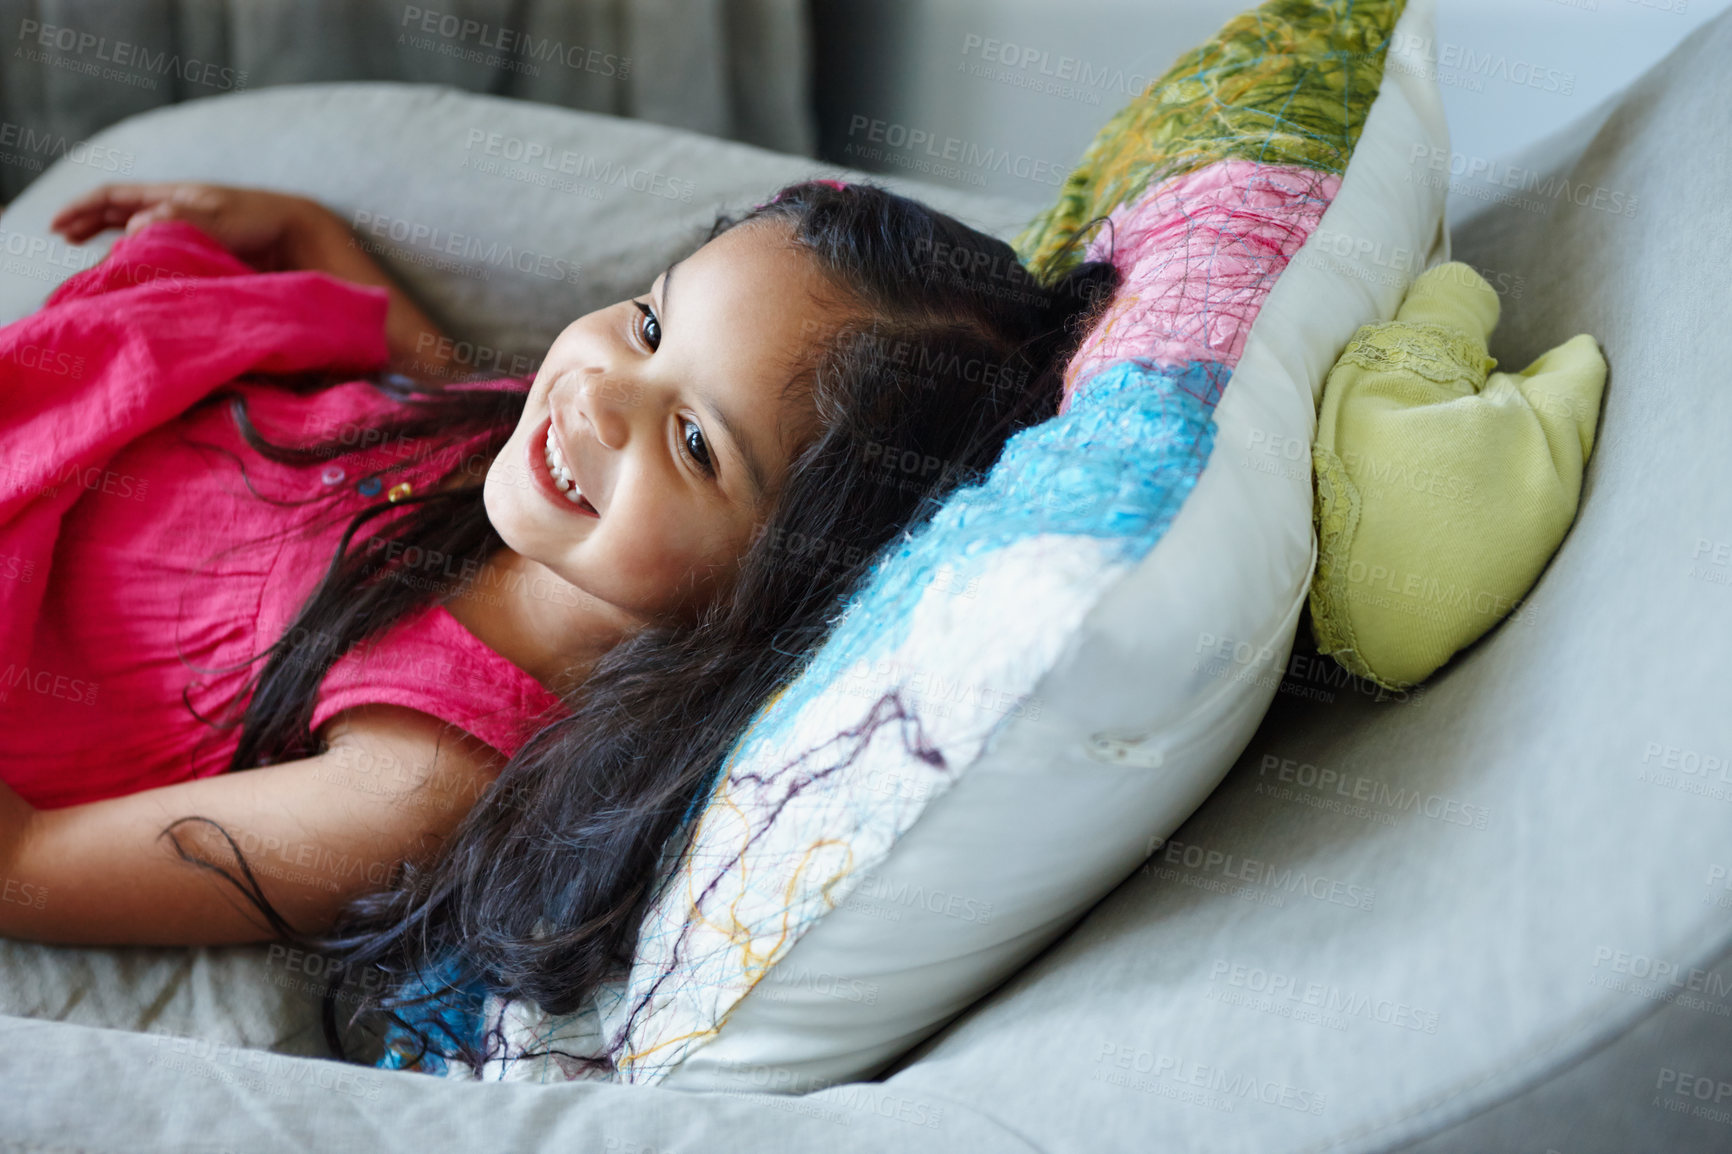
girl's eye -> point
(650, 328)
(702, 453)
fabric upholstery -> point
(1593, 740)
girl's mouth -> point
(553, 475)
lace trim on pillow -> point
(1336, 517)
(1436, 352)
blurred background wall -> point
(996, 95)
(1038, 78)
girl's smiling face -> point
(669, 415)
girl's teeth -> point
(561, 475)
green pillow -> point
(1441, 491)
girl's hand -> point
(273, 232)
(268, 230)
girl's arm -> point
(273, 232)
(15, 817)
(392, 785)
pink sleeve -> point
(171, 249)
(132, 343)
(431, 663)
(135, 341)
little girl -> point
(478, 646)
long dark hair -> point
(539, 892)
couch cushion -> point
(597, 205)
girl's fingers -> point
(134, 194)
(75, 216)
(79, 207)
(149, 215)
(112, 206)
(90, 222)
(102, 196)
(80, 228)
(94, 212)
(98, 211)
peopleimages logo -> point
(1326, 998)
(100, 50)
(1261, 877)
(54, 145)
(46, 251)
(1357, 787)
(464, 246)
(593, 171)
(1440, 161)
(874, 888)
(1038, 69)
(517, 48)
(927, 145)
(1482, 66)
(1117, 1062)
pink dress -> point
(146, 552)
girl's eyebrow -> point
(755, 473)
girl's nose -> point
(606, 402)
